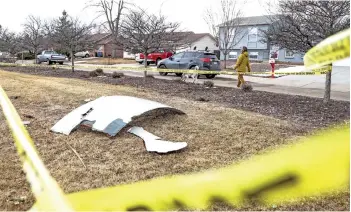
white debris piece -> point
(26, 122)
(154, 143)
(108, 114)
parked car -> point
(206, 61)
(5, 54)
(50, 57)
(82, 54)
(128, 55)
(154, 57)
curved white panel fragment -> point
(107, 114)
(154, 143)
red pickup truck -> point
(154, 57)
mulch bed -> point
(308, 112)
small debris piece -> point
(154, 143)
(26, 122)
(28, 116)
(201, 99)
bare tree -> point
(224, 24)
(9, 41)
(181, 41)
(147, 33)
(70, 34)
(303, 24)
(112, 11)
(33, 35)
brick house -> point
(104, 46)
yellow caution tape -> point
(48, 194)
(306, 71)
(334, 48)
(316, 166)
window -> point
(289, 54)
(253, 55)
(210, 55)
(178, 56)
(188, 55)
(233, 55)
(252, 37)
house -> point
(198, 40)
(251, 36)
(104, 46)
(183, 41)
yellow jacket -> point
(242, 63)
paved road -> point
(305, 85)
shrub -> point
(246, 87)
(208, 84)
(93, 74)
(26, 56)
(117, 75)
(99, 71)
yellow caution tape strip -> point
(334, 48)
(307, 71)
(317, 165)
(45, 189)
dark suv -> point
(189, 60)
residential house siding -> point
(204, 42)
(200, 40)
(295, 58)
(252, 37)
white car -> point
(82, 54)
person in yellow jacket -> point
(241, 64)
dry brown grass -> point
(216, 135)
(107, 61)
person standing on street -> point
(241, 65)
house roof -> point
(98, 37)
(197, 36)
(253, 20)
(191, 37)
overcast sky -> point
(189, 12)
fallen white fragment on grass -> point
(154, 143)
(108, 114)
(26, 122)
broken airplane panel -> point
(108, 114)
(154, 143)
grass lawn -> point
(217, 136)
